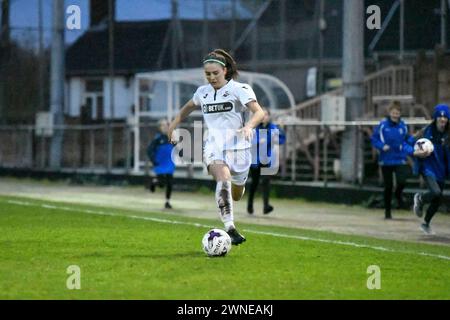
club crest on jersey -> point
(226, 94)
(217, 107)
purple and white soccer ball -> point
(424, 144)
(216, 242)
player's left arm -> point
(255, 120)
(151, 150)
(408, 143)
(281, 135)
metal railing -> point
(107, 148)
(391, 81)
(326, 148)
(99, 146)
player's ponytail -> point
(223, 58)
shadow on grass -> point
(190, 254)
(437, 239)
(403, 219)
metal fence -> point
(108, 148)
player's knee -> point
(221, 175)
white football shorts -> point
(238, 161)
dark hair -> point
(224, 57)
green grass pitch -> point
(135, 255)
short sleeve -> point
(245, 94)
(196, 98)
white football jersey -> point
(225, 112)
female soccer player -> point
(226, 152)
(392, 140)
(435, 166)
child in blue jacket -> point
(159, 152)
(263, 140)
(394, 143)
(434, 167)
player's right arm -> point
(376, 140)
(187, 109)
(420, 153)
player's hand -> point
(246, 132)
(386, 148)
(421, 153)
(171, 135)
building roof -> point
(138, 46)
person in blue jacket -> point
(394, 143)
(265, 136)
(434, 167)
(159, 152)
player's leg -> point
(237, 191)
(151, 183)
(387, 179)
(239, 162)
(168, 183)
(401, 174)
(255, 173)
(160, 180)
(221, 173)
(265, 181)
(437, 189)
(222, 176)
(433, 196)
(418, 203)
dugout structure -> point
(161, 94)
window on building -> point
(93, 99)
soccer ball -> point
(216, 242)
(424, 144)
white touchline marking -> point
(345, 243)
(279, 235)
(22, 203)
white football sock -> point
(225, 203)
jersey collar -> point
(225, 86)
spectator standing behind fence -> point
(265, 136)
(434, 167)
(394, 143)
(159, 152)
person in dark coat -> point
(267, 133)
(433, 166)
(394, 143)
(159, 152)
